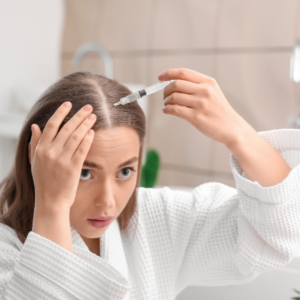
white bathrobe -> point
(215, 235)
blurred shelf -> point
(11, 125)
(177, 188)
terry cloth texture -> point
(214, 235)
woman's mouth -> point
(100, 223)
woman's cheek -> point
(126, 192)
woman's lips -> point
(100, 223)
(101, 218)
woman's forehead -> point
(117, 144)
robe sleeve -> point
(218, 235)
(44, 270)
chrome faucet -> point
(103, 53)
(293, 121)
(295, 63)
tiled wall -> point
(244, 44)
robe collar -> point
(111, 247)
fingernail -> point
(67, 104)
(163, 109)
(91, 117)
(160, 76)
(87, 107)
(90, 132)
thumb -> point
(35, 137)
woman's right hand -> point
(57, 158)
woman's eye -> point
(85, 175)
(125, 173)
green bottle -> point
(150, 169)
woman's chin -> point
(90, 232)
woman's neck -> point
(92, 244)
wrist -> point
(52, 205)
(54, 224)
(241, 139)
(58, 217)
(48, 208)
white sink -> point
(276, 285)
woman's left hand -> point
(199, 100)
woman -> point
(150, 243)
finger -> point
(68, 129)
(54, 122)
(180, 86)
(182, 112)
(184, 74)
(78, 135)
(83, 149)
(35, 137)
(181, 99)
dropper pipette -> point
(142, 93)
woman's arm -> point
(53, 224)
(56, 160)
(259, 160)
(198, 99)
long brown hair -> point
(17, 197)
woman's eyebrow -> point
(93, 165)
(127, 162)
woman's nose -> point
(105, 196)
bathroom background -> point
(245, 45)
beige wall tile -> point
(117, 25)
(179, 143)
(182, 179)
(265, 23)
(183, 24)
(81, 23)
(126, 25)
(131, 70)
(258, 88)
(139, 25)
(144, 25)
(219, 159)
(186, 179)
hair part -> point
(17, 195)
